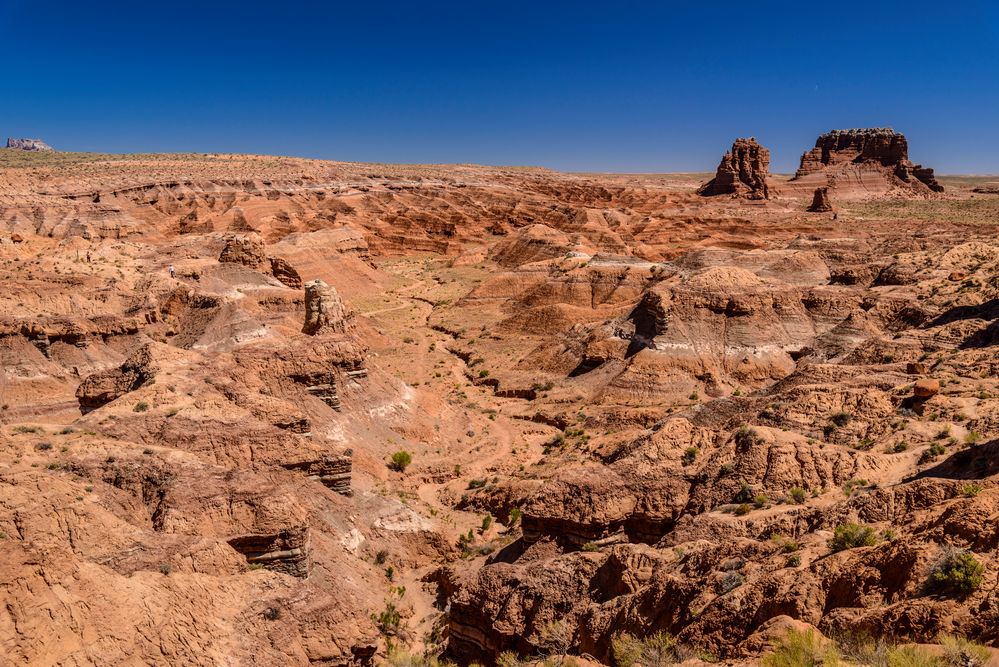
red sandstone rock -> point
(820, 201)
(926, 388)
(743, 171)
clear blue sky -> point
(612, 86)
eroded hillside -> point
(468, 410)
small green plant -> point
(797, 495)
(852, 485)
(483, 373)
(970, 490)
(141, 406)
(794, 560)
(590, 546)
(689, 455)
(401, 460)
(389, 619)
(743, 509)
(900, 447)
(957, 571)
(390, 573)
(381, 557)
(972, 437)
(487, 521)
(852, 535)
(515, 515)
(166, 569)
(694, 396)
(760, 500)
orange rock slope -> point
(380, 412)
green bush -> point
(958, 571)
(743, 509)
(970, 490)
(141, 406)
(852, 535)
(797, 495)
(401, 460)
(690, 455)
(960, 652)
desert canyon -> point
(276, 411)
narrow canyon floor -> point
(276, 411)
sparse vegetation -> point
(141, 406)
(656, 650)
(957, 571)
(851, 536)
(400, 460)
(802, 648)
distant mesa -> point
(743, 172)
(869, 160)
(28, 145)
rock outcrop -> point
(820, 201)
(324, 309)
(878, 151)
(28, 144)
(249, 250)
(743, 172)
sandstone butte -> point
(492, 414)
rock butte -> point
(743, 172)
(627, 408)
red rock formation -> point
(743, 172)
(820, 201)
(880, 146)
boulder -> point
(743, 172)
(926, 388)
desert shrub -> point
(401, 460)
(972, 437)
(487, 521)
(957, 571)
(935, 450)
(515, 515)
(590, 546)
(970, 490)
(760, 500)
(743, 509)
(910, 655)
(960, 652)
(797, 495)
(43, 446)
(802, 648)
(900, 447)
(166, 569)
(141, 406)
(381, 557)
(852, 485)
(785, 544)
(852, 535)
(729, 582)
(388, 619)
(693, 396)
(272, 613)
(656, 650)
(690, 455)
(794, 560)
(746, 437)
(841, 418)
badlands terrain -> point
(386, 413)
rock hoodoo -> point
(743, 172)
(849, 154)
(28, 144)
(324, 309)
(820, 201)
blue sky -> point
(610, 86)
